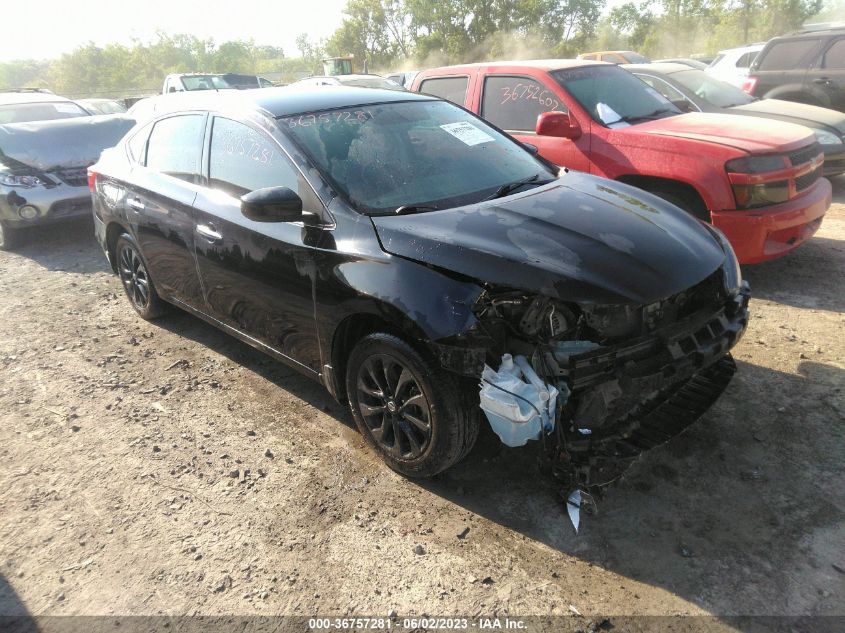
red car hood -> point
(749, 134)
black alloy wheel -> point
(136, 280)
(133, 274)
(418, 417)
(394, 407)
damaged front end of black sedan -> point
(599, 333)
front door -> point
(159, 199)
(514, 102)
(258, 277)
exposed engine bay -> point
(598, 384)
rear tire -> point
(417, 417)
(9, 238)
(136, 281)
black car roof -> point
(296, 100)
(280, 102)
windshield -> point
(41, 111)
(204, 82)
(719, 93)
(428, 154)
(614, 97)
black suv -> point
(808, 67)
(401, 251)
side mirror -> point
(558, 124)
(171, 89)
(272, 204)
(683, 105)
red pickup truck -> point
(758, 181)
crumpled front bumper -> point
(612, 382)
(53, 204)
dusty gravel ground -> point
(168, 469)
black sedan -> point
(696, 91)
(419, 263)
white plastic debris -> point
(573, 506)
(579, 500)
(516, 401)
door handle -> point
(209, 233)
(135, 203)
(822, 80)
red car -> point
(759, 181)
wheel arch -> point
(113, 231)
(684, 190)
(440, 307)
(800, 94)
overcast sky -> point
(51, 27)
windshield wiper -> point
(510, 187)
(407, 209)
(644, 117)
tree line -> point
(394, 34)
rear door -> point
(513, 102)
(782, 67)
(159, 199)
(258, 277)
(828, 76)
(454, 88)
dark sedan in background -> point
(696, 91)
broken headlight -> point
(730, 269)
(23, 181)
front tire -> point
(410, 411)
(139, 288)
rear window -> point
(613, 58)
(789, 55)
(835, 55)
(452, 89)
(44, 111)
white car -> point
(732, 64)
(359, 81)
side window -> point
(747, 59)
(137, 145)
(789, 55)
(452, 89)
(243, 160)
(613, 58)
(834, 57)
(175, 146)
(514, 103)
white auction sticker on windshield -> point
(467, 133)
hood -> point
(62, 143)
(801, 113)
(582, 239)
(759, 136)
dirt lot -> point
(168, 469)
